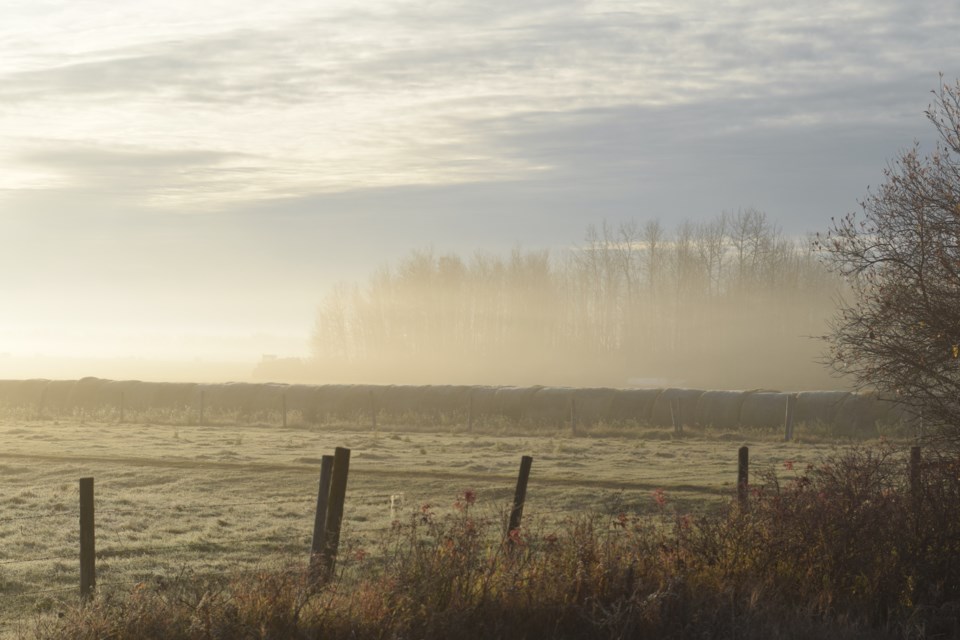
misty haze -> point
(488, 321)
(725, 304)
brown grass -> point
(844, 549)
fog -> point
(97, 340)
(131, 368)
(727, 304)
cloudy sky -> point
(187, 178)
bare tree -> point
(633, 300)
(750, 235)
(710, 240)
(654, 237)
(900, 330)
(333, 337)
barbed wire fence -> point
(106, 537)
(109, 538)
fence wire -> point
(61, 514)
(34, 594)
(37, 559)
(120, 551)
(118, 543)
(205, 507)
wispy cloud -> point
(307, 138)
(177, 180)
(402, 93)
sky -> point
(187, 179)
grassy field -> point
(175, 499)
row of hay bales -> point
(847, 412)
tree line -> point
(728, 303)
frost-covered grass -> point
(846, 549)
(217, 500)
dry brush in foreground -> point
(848, 549)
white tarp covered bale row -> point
(763, 409)
(409, 400)
(550, 406)
(719, 409)
(401, 400)
(29, 393)
(86, 394)
(512, 402)
(346, 400)
(137, 396)
(545, 405)
(92, 393)
(819, 406)
(484, 400)
(303, 398)
(9, 393)
(861, 413)
(662, 414)
(57, 395)
(230, 396)
(243, 397)
(593, 405)
(176, 395)
(844, 412)
(451, 399)
(227, 397)
(634, 405)
(113, 393)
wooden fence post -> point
(338, 492)
(573, 416)
(743, 476)
(373, 411)
(121, 406)
(788, 417)
(201, 407)
(520, 496)
(283, 403)
(88, 553)
(470, 413)
(320, 519)
(675, 416)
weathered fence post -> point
(121, 406)
(470, 412)
(201, 407)
(88, 553)
(520, 496)
(743, 476)
(788, 417)
(283, 408)
(338, 492)
(320, 519)
(373, 411)
(675, 416)
(573, 416)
